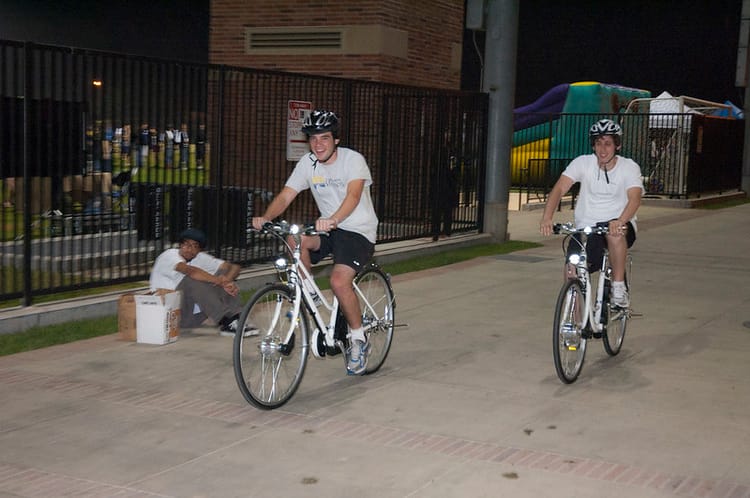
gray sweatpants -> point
(213, 301)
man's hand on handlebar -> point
(617, 228)
(545, 227)
(326, 224)
(258, 222)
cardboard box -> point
(126, 317)
(157, 317)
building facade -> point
(406, 42)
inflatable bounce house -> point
(541, 139)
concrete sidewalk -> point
(467, 404)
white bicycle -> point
(577, 318)
(269, 366)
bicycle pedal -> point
(572, 348)
(596, 335)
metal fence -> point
(105, 158)
(680, 155)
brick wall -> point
(434, 29)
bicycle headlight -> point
(574, 259)
(281, 264)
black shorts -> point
(595, 247)
(348, 248)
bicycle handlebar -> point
(601, 228)
(284, 228)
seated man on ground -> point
(207, 283)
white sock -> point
(618, 287)
(357, 335)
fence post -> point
(28, 79)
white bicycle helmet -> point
(605, 127)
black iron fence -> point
(105, 158)
(680, 155)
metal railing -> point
(105, 158)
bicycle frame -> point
(295, 273)
(592, 314)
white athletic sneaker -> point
(620, 296)
(357, 354)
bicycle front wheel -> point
(377, 302)
(269, 366)
(569, 343)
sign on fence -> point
(296, 141)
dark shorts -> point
(595, 247)
(348, 248)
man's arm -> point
(634, 202)
(278, 205)
(561, 187)
(229, 270)
(354, 191)
(197, 273)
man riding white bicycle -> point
(611, 190)
(339, 180)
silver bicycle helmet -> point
(605, 127)
(320, 121)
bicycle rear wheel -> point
(377, 302)
(268, 367)
(569, 343)
(617, 323)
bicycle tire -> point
(617, 323)
(267, 370)
(569, 342)
(376, 288)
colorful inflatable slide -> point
(538, 135)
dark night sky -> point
(686, 47)
(157, 28)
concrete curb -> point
(22, 318)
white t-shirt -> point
(600, 200)
(328, 183)
(164, 275)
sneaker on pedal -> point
(620, 297)
(357, 355)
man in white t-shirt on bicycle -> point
(611, 190)
(339, 180)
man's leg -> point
(308, 243)
(189, 319)
(342, 277)
(618, 253)
(341, 283)
(212, 299)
